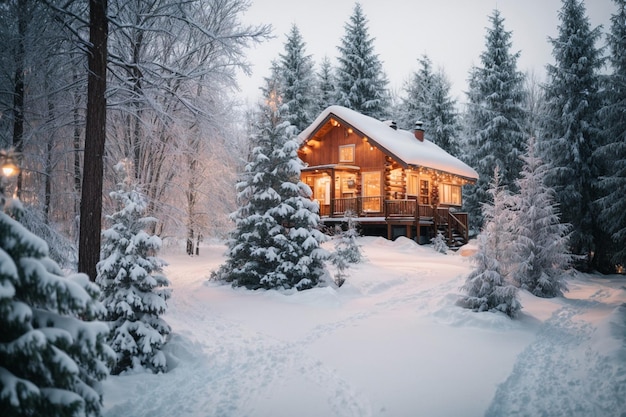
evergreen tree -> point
(361, 82)
(276, 243)
(427, 99)
(571, 134)
(132, 282)
(495, 117)
(416, 103)
(298, 81)
(487, 286)
(53, 351)
(326, 86)
(539, 240)
(612, 202)
(443, 124)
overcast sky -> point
(450, 32)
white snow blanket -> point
(389, 342)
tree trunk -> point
(18, 93)
(77, 145)
(48, 165)
(95, 134)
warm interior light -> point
(9, 167)
(8, 170)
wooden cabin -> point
(396, 182)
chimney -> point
(392, 124)
(419, 131)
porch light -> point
(350, 130)
(8, 163)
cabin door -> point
(321, 191)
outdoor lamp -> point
(8, 164)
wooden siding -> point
(324, 149)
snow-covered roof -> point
(400, 144)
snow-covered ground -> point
(389, 342)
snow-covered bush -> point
(439, 243)
(487, 286)
(53, 350)
(132, 282)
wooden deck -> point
(402, 217)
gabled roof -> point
(399, 144)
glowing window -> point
(346, 153)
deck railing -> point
(396, 209)
(368, 206)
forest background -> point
(175, 117)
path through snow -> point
(390, 342)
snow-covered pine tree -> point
(298, 82)
(612, 202)
(326, 88)
(130, 276)
(276, 243)
(571, 133)
(53, 350)
(427, 99)
(541, 258)
(444, 126)
(415, 104)
(361, 81)
(487, 286)
(494, 118)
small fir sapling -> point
(338, 259)
(132, 283)
(439, 243)
(346, 244)
(347, 249)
